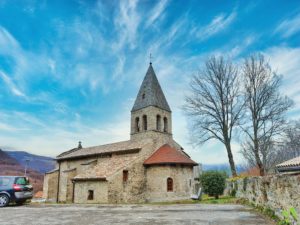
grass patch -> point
(222, 200)
(205, 200)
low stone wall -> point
(277, 192)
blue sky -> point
(70, 70)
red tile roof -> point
(168, 155)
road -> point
(36, 214)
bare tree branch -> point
(265, 111)
(215, 104)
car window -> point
(4, 181)
(22, 181)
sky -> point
(70, 70)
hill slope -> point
(39, 163)
(10, 166)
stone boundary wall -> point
(277, 192)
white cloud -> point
(289, 27)
(52, 139)
(286, 61)
(241, 46)
(217, 25)
(13, 88)
(8, 43)
(25, 64)
(127, 22)
(156, 12)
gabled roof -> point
(150, 93)
(168, 155)
(290, 163)
(118, 147)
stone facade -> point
(151, 113)
(115, 173)
(277, 192)
(50, 186)
(99, 188)
(156, 176)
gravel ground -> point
(40, 214)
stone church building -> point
(149, 167)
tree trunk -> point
(231, 161)
(257, 158)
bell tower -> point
(151, 112)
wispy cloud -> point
(127, 22)
(286, 62)
(289, 27)
(156, 12)
(217, 25)
(8, 43)
(13, 88)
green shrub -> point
(233, 193)
(213, 183)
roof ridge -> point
(76, 149)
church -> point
(150, 167)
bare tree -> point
(290, 146)
(214, 104)
(292, 140)
(265, 109)
(275, 152)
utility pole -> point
(26, 165)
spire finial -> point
(150, 57)
(79, 145)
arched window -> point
(165, 124)
(169, 184)
(158, 122)
(137, 124)
(144, 122)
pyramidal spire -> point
(150, 93)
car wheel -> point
(4, 200)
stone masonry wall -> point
(151, 112)
(277, 192)
(132, 191)
(135, 189)
(66, 175)
(157, 176)
(99, 188)
(50, 186)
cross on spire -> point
(150, 57)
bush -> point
(233, 193)
(213, 183)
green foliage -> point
(294, 214)
(213, 183)
(233, 193)
(221, 200)
(290, 217)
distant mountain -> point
(10, 166)
(39, 163)
(5, 159)
(221, 167)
